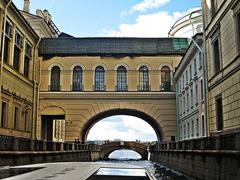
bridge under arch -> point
(83, 110)
(98, 117)
(108, 148)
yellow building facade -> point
(222, 27)
(83, 84)
(18, 77)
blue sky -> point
(114, 17)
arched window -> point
(55, 79)
(121, 79)
(99, 79)
(165, 79)
(143, 79)
(77, 79)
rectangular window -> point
(17, 51)
(8, 31)
(184, 107)
(191, 103)
(203, 126)
(216, 55)
(184, 131)
(183, 82)
(200, 60)
(196, 90)
(219, 113)
(192, 129)
(188, 130)
(195, 66)
(16, 118)
(187, 101)
(213, 7)
(237, 30)
(190, 72)
(186, 76)
(27, 58)
(202, 89)
(197, 122)
(4, 114)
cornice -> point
(108, 95)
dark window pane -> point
(77, 79)
(16, 58)
(4, 114)
(219, 113)
(26, 66)
(165, 79)
(143, 79)
(16, 116)
(216, 55)
(99, 79)
(55, 79)
(121, 79)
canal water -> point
(131, 157)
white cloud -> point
(148, 4)
(149, 25)
(127, 128)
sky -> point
(117, 18)
(127, 128)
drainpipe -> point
(205, 84)
(35, 92)
(2, 50)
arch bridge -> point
(84, 80)
(108, 148)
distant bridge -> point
(108, 148)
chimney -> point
(26, 5)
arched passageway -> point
(153, 123)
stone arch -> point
(121, 64)
(144, 64)
(99, 64)
(55, 64)
(110, 147)
(77, 64)
(125, 111)
(53, 110)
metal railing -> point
(144, 88)
(77, 87)
(10, 143)
(220, 142)
(121, 88)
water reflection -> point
(121, 172)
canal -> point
(133, 158)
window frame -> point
(99, 82)
(143, 77)
(216, 37)
(166, 74)
(17, 50)
(122, 79)
(77, 83)
(27, 58)
(219, 125)
(54, 86)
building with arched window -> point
(122, 73)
